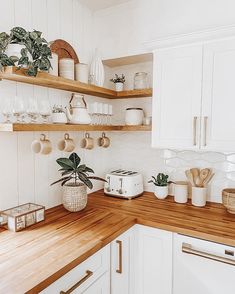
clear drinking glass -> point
(7, 110)
(32, 110)
(44, 110)
(19, 109)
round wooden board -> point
(64, 50)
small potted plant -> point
(25, 49)
(161, 185)
(119, 82)
(75, 180)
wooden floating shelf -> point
(43, 79)
(68, 127)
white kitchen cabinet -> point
(122, 263)
(218, 96)
(82, 277)
(202, 267)
(154, 261)
(177, 97)
(193, 98)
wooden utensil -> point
(195, 172)
(190, 177)
(207, 180)
(204, 173)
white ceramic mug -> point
(67, 144)
(42, 146)
(199, 196)
(180, 191)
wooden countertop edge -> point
(45, 283)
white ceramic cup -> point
(67, 144)
(180, 191)
(81, 72)
(199, 196)
(42, 146)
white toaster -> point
(124, 184)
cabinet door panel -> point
(101, 286)
(122, 263)
(218, 103)
(154, 268)
(177, 97)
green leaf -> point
(82, 168)
(66, 163)
(19, 32)
(75, 159)
(83, 178)
(67, 172)
(62, 179)
(89, 170)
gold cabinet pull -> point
(195, 130)
(119, 270)
(87, 276)
(187, 248)
(205, 130)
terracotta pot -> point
(74, 196)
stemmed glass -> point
(7, 110)
(105, 113)
(110, 114)
(32, 110)
(44, 110)
(19, 109)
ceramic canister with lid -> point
(140, 80)
(134, 116)
(66, 68)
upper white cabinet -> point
(177, 97)
(194, 90)
(154, 261)
(218, 96)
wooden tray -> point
(64, 50)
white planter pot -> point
(74, 197)
(161, 192)
(119, 87)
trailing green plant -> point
(161, 180)
(118, 79)
(35, 55)
(72, 170)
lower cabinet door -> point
(122, 265)
(202, 267)
(100, 286)
(154, 261)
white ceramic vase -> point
(119, 87)
(97, 70)
(161, 192)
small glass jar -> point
(134, 116)
(140, 80)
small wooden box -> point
(23, 216)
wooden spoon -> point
(204, 173)
(195, 172)
(207, 180)
(190, 177)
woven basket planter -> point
(228, 196)
(74, 197)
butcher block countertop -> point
(32, 259)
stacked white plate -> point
(66, 68)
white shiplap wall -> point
(23, 175)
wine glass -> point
(7, 109)
(32, 110)
(44, 110)
(19, 109)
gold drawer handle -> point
(119, 270)
(87, 276)
(187, 248)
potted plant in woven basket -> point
(75, 180)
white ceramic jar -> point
(180, 192)
(134, 116)
(81, 72)
(66, 68)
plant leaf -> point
(96, 178)
(89, 170)
(82, 177)
(65, 163)
(75, 159)
(62, 179)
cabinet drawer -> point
(82, 275)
